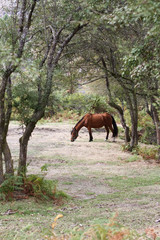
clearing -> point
(99, 177)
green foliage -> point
(77, 103)
(148, 135)
(146, 128)
(85, 103)
(24, 102)
(133, 158)
(32, 185)
(11, 184)
(8, 35)
(148, 152)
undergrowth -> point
(146, 152)
(18, 187)
(108, 231)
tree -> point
(34, 38)
(13, 41)
(125, 42)
(143, 59)
(58, 34)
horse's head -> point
(74, 134)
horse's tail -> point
(115, 128)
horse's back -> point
(97, 120)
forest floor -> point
(99, 177)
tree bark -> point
(1, 163)
(2, 120)
(8, 159)
(6, 149)
(123, 122)
(22, 166)
(157, 125)
(134, 119)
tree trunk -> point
(134, 135)
(1, 166)
(2, 120)
(157, 125)
(123, 122)
(22, 165)
(8, 159)
(6, 150)
(37, 115)
(133, 108)
(22, 156)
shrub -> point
(9, 186)
(33, 185)
(76, 103)
(148, 152)
(146, 128)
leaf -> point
(58, 216)
(55, 220)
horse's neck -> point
(79, 125)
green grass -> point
(133, 158)
(127, 199)
(124, 183)
(67, 183)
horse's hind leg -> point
(111, 128)
(107, 130)
(90, 135)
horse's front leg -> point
(90, 135)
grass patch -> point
(68, 183)
(126, 183)
(90, 193)
(133, 158)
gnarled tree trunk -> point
(123, 122)
(23, 141)
(8, 159)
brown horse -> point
(95, 121)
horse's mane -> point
(79, 122)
